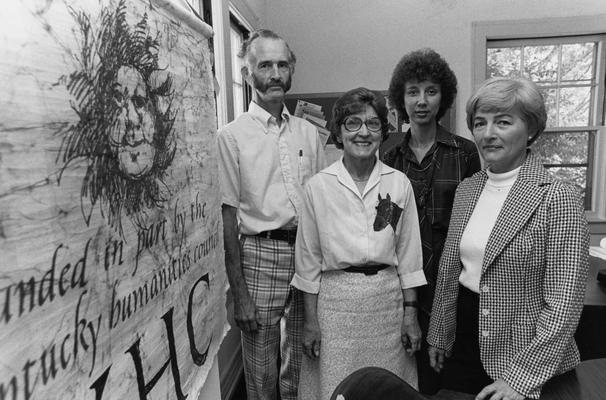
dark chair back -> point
(374, 383)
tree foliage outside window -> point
(565, 69)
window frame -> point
(485, 31)
(237, 80)
(221, 10)
(596, 112)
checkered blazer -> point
(532, 283)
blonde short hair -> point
(510, 94)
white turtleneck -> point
(482, 220)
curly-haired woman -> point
(422, 89)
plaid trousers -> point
(268, 267)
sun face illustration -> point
(132, 137)
(124, 103)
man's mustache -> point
(277, 83)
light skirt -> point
(360, 323)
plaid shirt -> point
(456, 158)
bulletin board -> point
(112, 281)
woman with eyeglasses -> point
(358, 257)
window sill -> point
(597, 227)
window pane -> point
(562, 147)
(550, 97)
(577, 61)
(236, 43)
(576, 176)
(574, 106)
(541, 63)
(571, 80)
(503, 61)
(238, 100)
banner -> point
(112, 283)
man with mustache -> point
(265, 157)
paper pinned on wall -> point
(305, 107)
(313, 113)
(315, 120)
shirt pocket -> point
(304, 169)
(523, 330)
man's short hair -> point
(265, 34)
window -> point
(241, 89)
(204, 10)
(570, 72)
(566, 71)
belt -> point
(366, 269)
(280, 234)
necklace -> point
(359, 180)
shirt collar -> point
(260, 114)
(531, 170)
(442, 137)
(338, 169)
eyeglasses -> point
(353, 124)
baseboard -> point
(231, 374)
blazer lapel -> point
(523, 199)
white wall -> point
(256, 7)
(341, 44)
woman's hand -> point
(411, 333)
(311, 339)
(499, 390)
(436, 358)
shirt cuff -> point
(230, 202)
(412, 280)
(305, 285)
